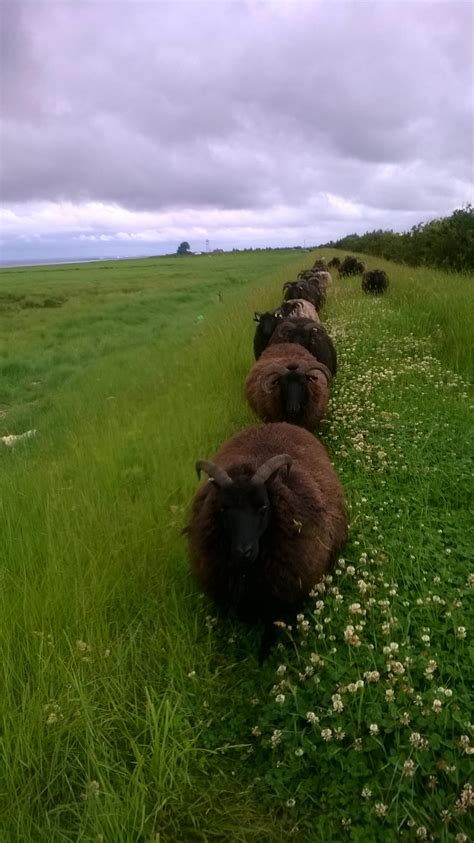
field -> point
(129, 711)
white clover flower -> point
(351, 637)
(355, 609)
(380, 809)
(390, 695)
(437, 706)
(337, 703)
(350, 570)
(374, 729)
(405, 718)
(326, 734)
(256, 731)
(461, 632)
(426, 639)
(290, 803)
(422, 833)
(409, 768)
(276, 738)
(366, 793)
(280, 699)
(82, 646)
(299, 752)
(281, 670)
(312, 718)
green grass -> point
(127, 711)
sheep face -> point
(294, 394)
(243, 510)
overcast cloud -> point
(133, 125)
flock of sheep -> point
(271, 518)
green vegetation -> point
(128, 710)
(447, 243)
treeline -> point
(447, 243)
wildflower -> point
(395, 667)
(351, 637)
(191, 674)
(418, 741)
(374, 729)
(281, 670)
(358, 744)
(339, 734)
(275, 738)
(372, 675)
(390, 695)
(464, 744)
(346, 822)
(409, 768)
(425, 639)
(316, 660)
(461, 837)
(337, 703)
(433, 782)
(366, 793)
(405, 718)
(82, 646)
(380, 809)
(430, 669)
(92, 789)
(350, 570)
(461, 632)
(256, 731)
(466, 799)
(421, 833)
(299, 752)
(446, 817)
(280, 699)
(355, 609)
(290, 803)
(437, 706)
(326, 734)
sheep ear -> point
(257, 316)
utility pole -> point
(207, 245)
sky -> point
(131, 125)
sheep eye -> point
(263, 508)
(275, 381)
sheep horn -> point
(319, 367)
(257, 316)
(270, 467)
(215, 473)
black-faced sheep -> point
(375, 281)
(268, 525)
(306, 289)
(334, 263)
(311, 336)
(288, 384)
(267, 321)
(351, 266)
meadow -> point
(129, 710)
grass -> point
(128, 711)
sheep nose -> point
(245, 551)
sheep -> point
(306, 289)
(267, 321)
(320, 264)
(288, 384)
(334, 263)
(298, 308)
(311, 336)
(375, 281)
(267, 525)
(351, 266)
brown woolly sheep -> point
(267, 321)
(267, 525)
(288, 384)
(375, 281)
(334, 263)
(311, 336)
(307, 289)
(351, 266)
(320, 264)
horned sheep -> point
(288, 384)
(310, 335)
(351, 266)
(307, 289)
(268, 525)
(268, 320)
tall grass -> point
(124, 712)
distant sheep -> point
(310, 335)
(375, 281)
(320, 264)
(334, 263)
(288, 384)
(267, 525)
(306, 289)
(267, 321)
(351, 266)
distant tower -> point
(207, 245)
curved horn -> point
(320, 367)
(215, 473)
(270, 467)
(287, 284)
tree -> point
(183, 248)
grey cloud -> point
(238, 105)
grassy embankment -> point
(124, 712)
